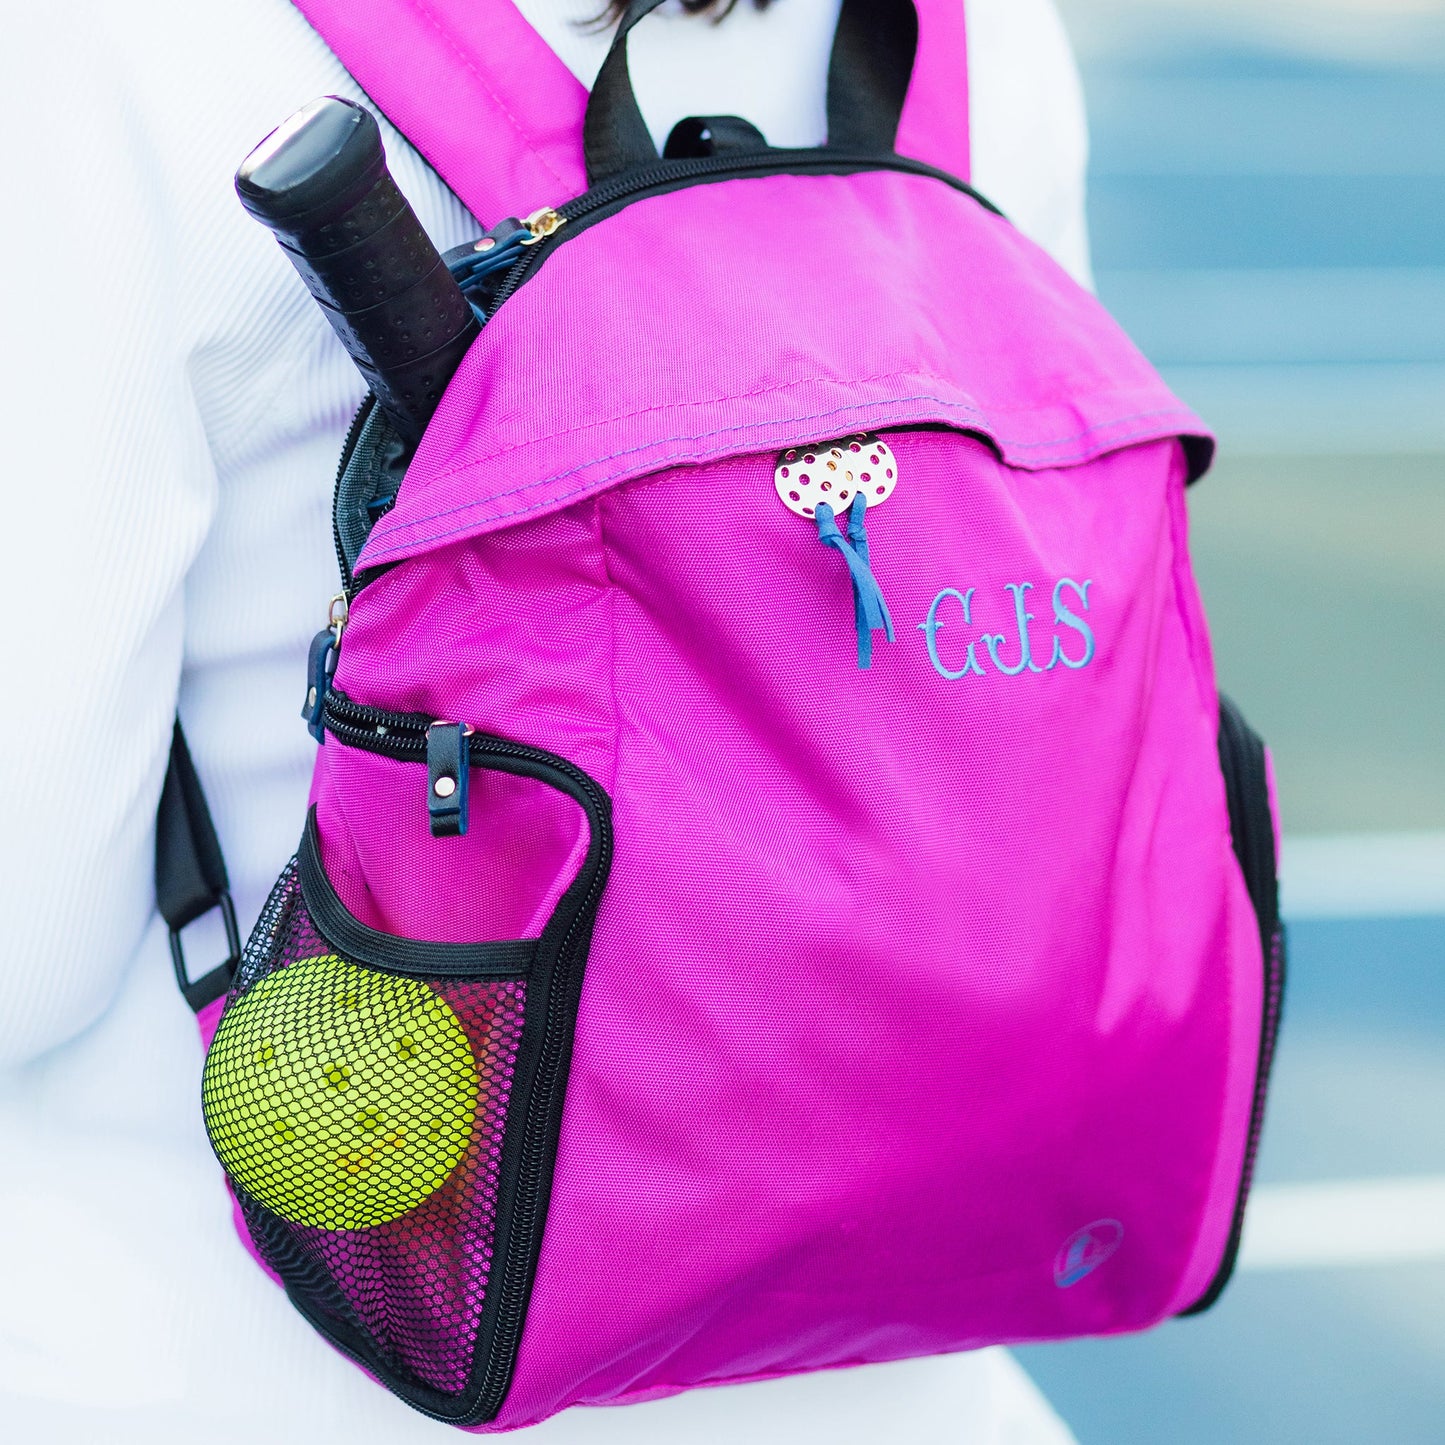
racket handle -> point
(319, 182)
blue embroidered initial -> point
(994, 641)
(1065, 618)
(931, 627)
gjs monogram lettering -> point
(1010, 656)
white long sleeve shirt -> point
(174, 403)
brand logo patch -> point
(1085, 1250)
(959, 655)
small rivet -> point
(311, 697)
(485, 244)
(444, 786)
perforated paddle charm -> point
(835, 473)
(833, 483)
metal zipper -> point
(541, 232)
(612, 196)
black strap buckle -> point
(209, 987)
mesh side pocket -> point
(359, 1115)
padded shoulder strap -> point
(934, 127)
(474, 88)
(485, 100)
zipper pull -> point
(542, 223)
(476, 264)
(447, 771)
(836, 479)
(870, 611)
(321, 660)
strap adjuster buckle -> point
(210, 986)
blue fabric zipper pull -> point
(870, 611)
(320, 665)
(321, 660)
(498, 251)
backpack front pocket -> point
(387, 1111)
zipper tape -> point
(1251, 827)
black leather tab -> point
(447, 776)
(191, 873)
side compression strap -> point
(191, 873)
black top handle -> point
(868, 74)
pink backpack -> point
(780, 888)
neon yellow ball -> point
(339, 1097)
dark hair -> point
(718, 9)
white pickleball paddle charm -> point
(835, 472)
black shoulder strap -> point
(191, 873)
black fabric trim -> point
(615, 138)
(869, 70)
(554, 994)
(190, 873)
(1251, 830)
(509, 958)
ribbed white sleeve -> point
(173, 406)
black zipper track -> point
(348, 448)
(615, 195)
(1251, 826)
(528, 1172)
(605, 200)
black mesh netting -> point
(359, 1115)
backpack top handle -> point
(868, 77)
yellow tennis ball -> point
(339, 1097)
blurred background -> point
(1267, 203)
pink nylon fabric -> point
(947, 316)
(904, 979)
(899, 981)
(474, 88)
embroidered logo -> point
(1085, 1250)
(960, 655)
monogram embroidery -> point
(1010, 656)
